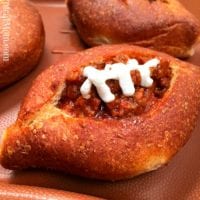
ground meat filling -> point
(141, 102)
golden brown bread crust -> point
(10, 191)
(26, 41)
(162, 25)
(45, 136)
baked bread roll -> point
(164, 25)
(68, 122)
(22, 39)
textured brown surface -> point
(179, 180)
(162, 25)
(36, 193)
(45, 136)
(26, 41)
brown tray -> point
(179, 180)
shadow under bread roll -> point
(163, 25)
(22, 40)
(111, 112)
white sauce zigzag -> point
(116, 71)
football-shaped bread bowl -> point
(22, 40)
(164, 25)
(57, 128)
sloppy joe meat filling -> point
(73, 103)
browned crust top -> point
(163, 25)
(106, 149)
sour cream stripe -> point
(116, 71)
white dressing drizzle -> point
(116, 71)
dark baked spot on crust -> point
(164, 1)
(54, 86)
(124, 2)
(142, 101)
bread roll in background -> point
(22, 40)
(163, 25)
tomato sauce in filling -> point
(73, 103)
